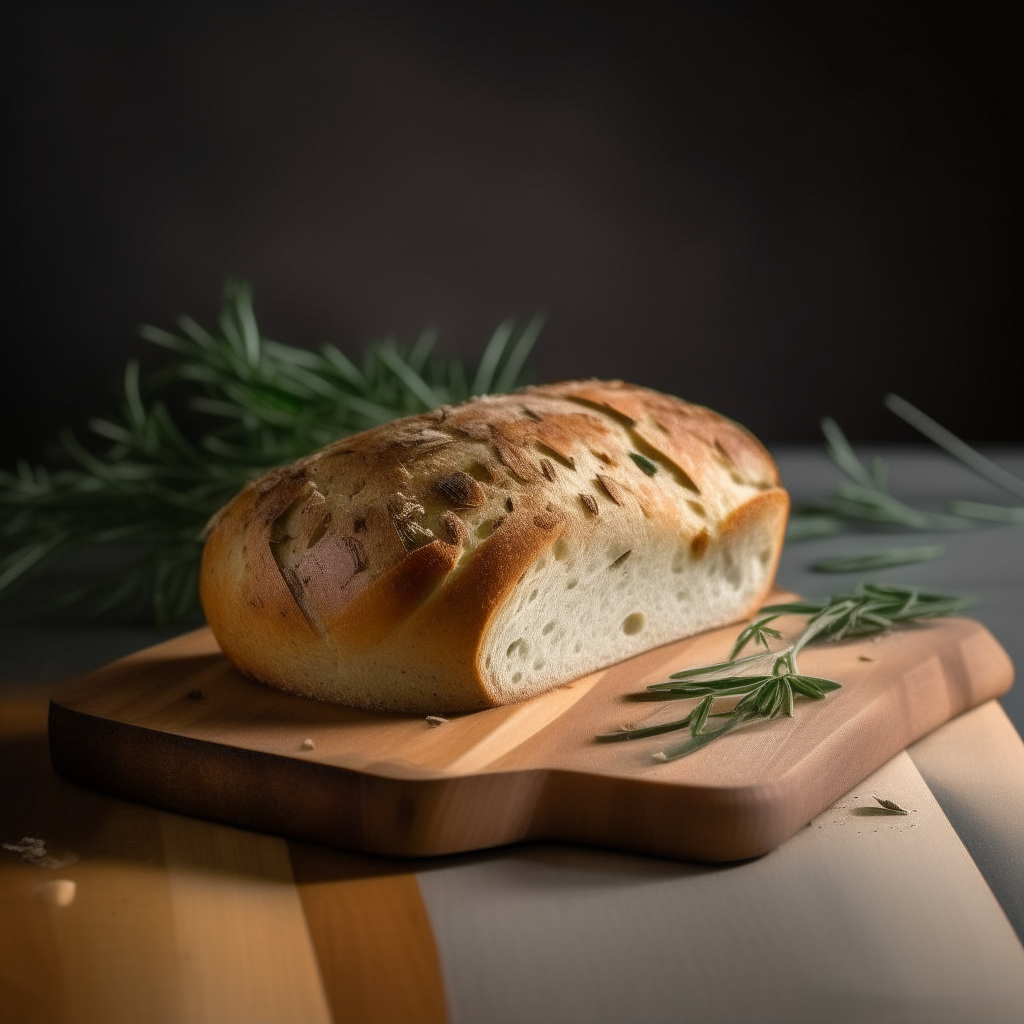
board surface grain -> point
(396, 785)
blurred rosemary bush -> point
(150, 487)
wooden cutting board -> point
(176, 726)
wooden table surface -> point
(112, 911)
(128, 913)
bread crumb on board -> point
(435, 720)
(307, 744)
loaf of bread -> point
(478, 555)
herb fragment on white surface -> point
(883, 559)
(890, 805)
(769, 682)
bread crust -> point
(380, 571)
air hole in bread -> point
(549, 627)
(632, 624)
(732, 572)
(517, 677)
(620, 561)
(764, 555)
(520, 647)
(480, 471)
(508, 504)
(533, 595)
(538, 664)
(571, 584)
(485, 529)
(559, 549)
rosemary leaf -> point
(989, 513)
(700, 715)
(644, 732)
(948, 441)
(710, 670)
(880, 559)
(804, 526)
(694, 743)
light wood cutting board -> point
(396, 785)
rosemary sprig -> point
(768, 683)
(865, 497)
(258, 403)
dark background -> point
(779, 210)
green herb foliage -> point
(952, 444)
(864, 496)
(261, 404)
(884, 559)
(768, 683)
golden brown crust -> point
(389, 553)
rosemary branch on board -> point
(768, 683)
(261, 404)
